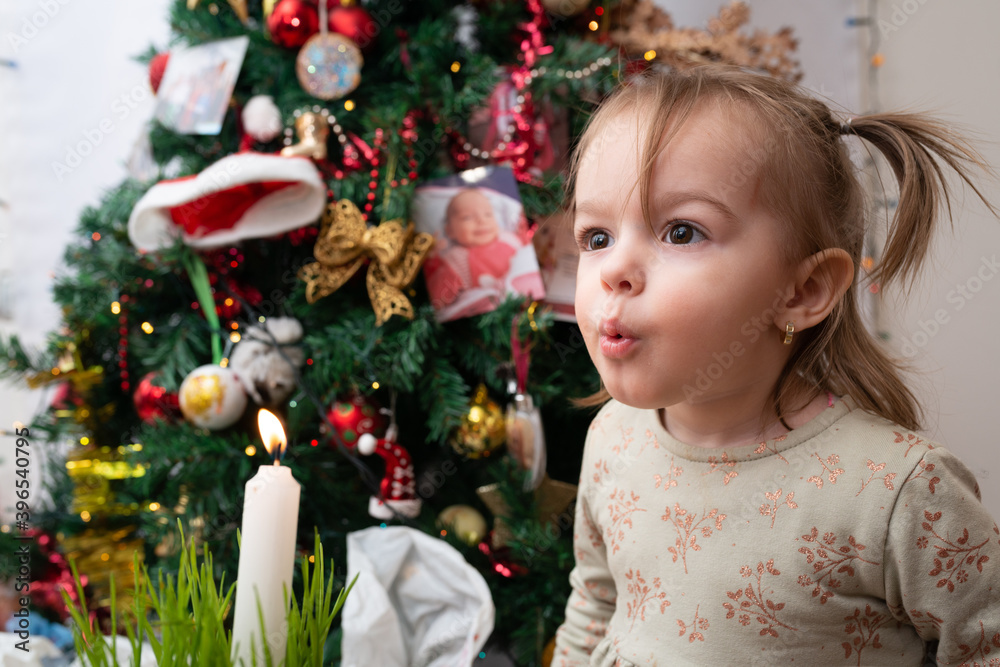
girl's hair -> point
(791, 147)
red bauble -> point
(157, 66)
(353, 22)
(65, 396)
(292, 22)
(356, 416)
(153, 402)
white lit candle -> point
(267, 551)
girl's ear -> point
(820, 282)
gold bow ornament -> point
(395, 253)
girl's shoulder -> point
(878, 435)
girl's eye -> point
(683, 234)
(596, 239)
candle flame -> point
(272, 434)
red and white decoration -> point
(398, 486)
(242, 196)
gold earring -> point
(789, 331)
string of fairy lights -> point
(520, 100)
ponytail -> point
(910, 143)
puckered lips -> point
(617, 340)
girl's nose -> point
(622, 269)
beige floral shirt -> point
(849, 541)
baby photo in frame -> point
(482, 251)
(197, 85)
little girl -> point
(754, 491)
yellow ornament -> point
(465, 521)
(395, 254)
(212, 397)
(483, 427)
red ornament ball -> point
(153, 402)
(356, 416)
(353, 22)
(157, 66)
(292, 22)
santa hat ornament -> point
(242, 196)
(398, 486)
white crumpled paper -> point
(124, 655)
(38, 648)
(417, 602)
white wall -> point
(75, 87)
(945, 57)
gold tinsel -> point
(394, 251)
(93, 469)
(69, 368)
(101, 553)
(646, 30)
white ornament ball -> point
(262, 118)
(367, 444)
(212, 397)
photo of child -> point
(197, 84)
(481, 252)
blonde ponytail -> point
(914, 146)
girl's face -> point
(687, 313)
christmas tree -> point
(267, 258)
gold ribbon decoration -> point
(69, 368)
(395, 253)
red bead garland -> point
(123, 344)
